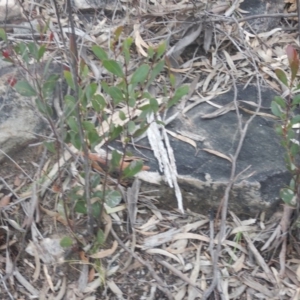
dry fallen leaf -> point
(217, 153)
(5, 200)
(105, 253)
(182, 138)
(139, 42)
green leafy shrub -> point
(286, 110)
(121, 101)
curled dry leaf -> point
(217, 153)
(220, 111)
(105, 253)
(182, 138)
(139, 42)
(114, 288)
(163, 252)
(48, 277)
(5, 200)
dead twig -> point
(254, 251)
(243, 131)
(298, 15)
(179, 274)
(160, 282)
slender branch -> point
(225, 200)
(87, 167)
(298, 15)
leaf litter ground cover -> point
(143, 251)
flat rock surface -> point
(258, 7)
(203, 175)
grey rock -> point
(258, 7)
(203, 176)
(20, 122)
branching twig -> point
(73, 66)
(225, 200)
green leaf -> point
(296, 100)
(98, 194)
(80, 207)
(118, 32)
(295, 120)
(113, 67)
(72, 122)
(75, 140)
(292, 184)
(91, 90)
(154, 105)
(49, 85)
(276, 109)
(98, 103)
(179, 93)
(155, 71)
(96, 209)
(113, 198)
(281, 76)
(280, 101)
(290, 134)
(69, 78)
(161, 49)
(33, 50)
(131, 127)
(116, 94)
(41, 52)
(294, 148)
(115, 159)
(172, 80)
(141, 131)
(84, 72)
(95, 180)
(126, 49)
(99, 52)
(279, 130)
(140, 74)
(20, 48)
(132, 102)
(160, 123)
(150, 53)
(43, 107)
(69, 107)
(3, 35)
(46, 68)
(122, 115)
(88, 126)
(115, 131)
(287, 195)
(66, 242)
(131, 170)
(294, 69)
(50, 146)
(105, 87)
(25, 89)
(93, 138)
(146, 110)
(100, 237)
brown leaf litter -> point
(150, 253)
